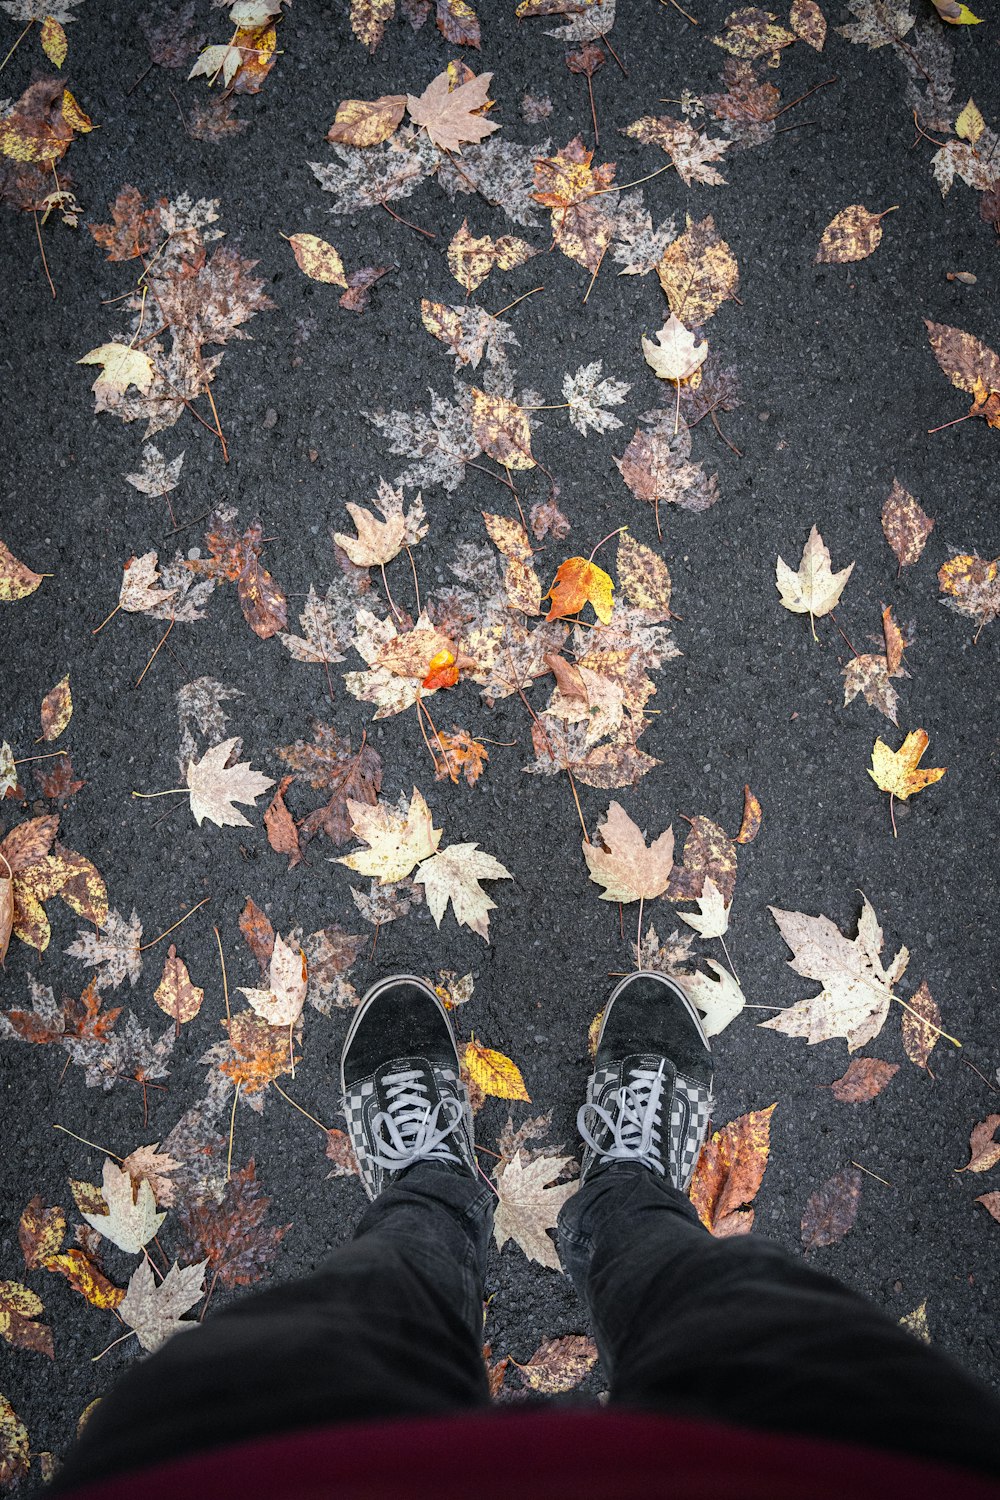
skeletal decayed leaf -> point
(397, 842)
(493, 1072)
(692, 153)
(471, 260)
(853, 234)
(814, 589)
(215, 786)
(454, 875)
(528, 1203)
(674, 355)
(831, 1209)
(899, 771)
(318, 259)
(175, 994)
(154, 1310)
(730, 1171)
(281, 1003)
(131, 1221)
(449, 115)
(621, 861)
(905, 525)
(857, 989)
(971, 586)
(920, 1032)
(367, 122)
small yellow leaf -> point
(896, 771)
(54, 43)
(494, 1073)
(122, 367)
(970, 123)
(318, 259)
(74, 116)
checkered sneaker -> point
(623, 1118)
(407, 1112)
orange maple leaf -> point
(578, 582)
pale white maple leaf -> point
(158, 475)
(397, 841)
(113, 951)
(857, 990)
(712, 919)
(454, 875)
(325, 628)
(129, 1223)
(814, 589)
(720, 1000)
(223, 59)
(214, 786)
(588, 395)
(153, 1311)
(527, 1206)
(281, 1003)
(378, 542)
(675, 355)
(141, 589)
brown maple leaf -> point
(60, 782)
(253, 1056)
(282, 833)
(730, 1171)
(971, 586)
(971, 366)
(709, 854)
(583, 208)
(329, 765)
(236, 558)
(258, 933)
(831, 1209)
(232, 1235)
(134, 228)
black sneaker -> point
(403, 1097)
(649, 1098)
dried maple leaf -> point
(587, 395)
(397, 841)
(674, 355)
(367, 122)
(150, 1164)
(461, 756)
(40, 1233)
(920, 1031)
(17, 580)
(813, 589)
(40, 126)
(656, 467)
(441, 442)
(114, 951)
(468, 332)
(215, 786)
(57, 710)
(720, 1000)
(19, 1308)
(281, 1003)
(493, 1072)
(127, 1053)
(451, 115)
(318, 259)
(712, 919)
(175, 994)
(121, 366)
(134, 228)
(857, 989)
(382, 904)
(971, 586)
(905, 525)
(378, 542)
(621, 862)
(282, 833)
(853, 234)
(582, 201)
(154, 1310)
(340, 1152)
(131, 1219)
(326, 623)
(57, 785)
(698, 272)
(232, 1237)
(730, 1171)
(865, 1077)
(897, 771)
(692, 153)
(329, 764)
(237, 559)
(502, 430)
(49, 1022)
(527, 1205)
(808, 22)
(457, 23)
(454, 875)
(471, 260)
(252, 1057)
(971, 366)
(578, 582)
(750, 33)
(709, 854)
(870, 675)
(36, 875)
(559, 1365)
(831, 1210)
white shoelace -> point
(410, 1129)
(635, 1123)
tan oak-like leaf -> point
(454, 875)
(621, 862)
(214, 786)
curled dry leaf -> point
(832, 1209)
(753, 817)
(730, 1171)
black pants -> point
(732, 1330)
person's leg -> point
(390, 1326)
(734, 1330)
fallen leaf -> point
(450, 115)
(621, 862)
(154, 1310)
(237, 559)
(905, 525)
(281, 1003)
(698, 272)
(751, 33)
(85, 1278)
(753, 817)
(712, 920)
(527, 1206)
(643, 577)
(969, 123)
(674, 355)
(364, 122)
(720, 1000)
(454, 875)
(970, 365)
(149, 1164)
(559, 1365)
(397, 841)
(341, 1153)
(521, 582)
(232, 1236)
(916, 1322)
(729, 1173)
(359, 287)
(19, 1308)
(919, 1037)
(897, 772)
(814, 589)
(578, 582)
(378, 542)
(130, 1221)
(470, 260)
(991, 1203)
(121, 366)
(175, 994)
(709, 854)
(493, 1072)
(318, 259)
(971, 586)
(984, 1151)
(857, 989)
(282, 834)
(258, 933)
(865, 1077)
(17, 580)
(808, 22)
(15, 1447)
(853, 234)
(216, 786)
(501, 429)
(692, 152)
(253, 1055)
(831, 1210)
(461, 756)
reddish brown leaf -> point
(991, 1203)
(256, 928)
(730, 1171)
(866, 1077)
(709, 854)
(329, 764)
(831, 1210)
(40, 1232)
(984, 1151)
(134, 228)
(282, 834)
(341, 1153)
(232, 1235)
(237, 559)
(59, 782)
(359, 287)
(753, 817)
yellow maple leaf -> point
(578, 582)
(122, 367)
(896, 771)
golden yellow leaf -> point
(730, 1171)
(16, 580)
(970, 123)
(84, 1277)
(698, 272)
(896, 771)
(367, 122)
(851, 235)
(75, 117)
(494, 1072)
(916, 1322)
(122, 367)
(318, 259)
(54, 42)
(578, 582)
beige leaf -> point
(153, 1310)
(140, 590)
(916, 1322)
(378, 542)
(175, 994)
(129, 1223)
(367, 122)
(712, 920)
(214, 786)
(675, 355)
(122, 367)
(147, 1163)
(622, 863)
(454, 875)
(281, 1003)
(521, 583)
(698, 272)
(396, 843)
(448, 115)
(57, 709)
(720, 1000)
(814, 589)
(527, 1206)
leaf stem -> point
(83, 1141)
(301, 1111)
(153, 942)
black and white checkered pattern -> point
(362, 1102)
(690, 1115)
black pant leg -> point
(390, 1326)
(738, 1330)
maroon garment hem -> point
(549, 1453)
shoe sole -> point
(372, 995)
(672, 985)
